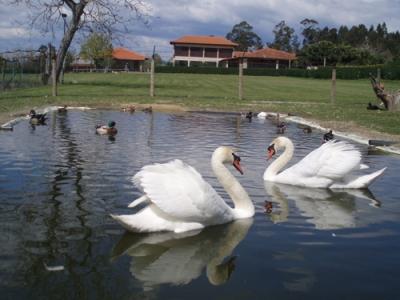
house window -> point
(196, 52)
(181, 51)
(225, 53)
(210, 52)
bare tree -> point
(107, 16)
(390, 100)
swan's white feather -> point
(181, 192)
(332, 160)
(329, 166)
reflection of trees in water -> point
(63, 235)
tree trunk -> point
(391, 101)
(77, 11)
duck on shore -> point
(148, 109)
(328, 136)
(37, 119)
(62, 109)
(129, 108)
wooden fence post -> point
(53, 74)
(333, 88)
(152, 77)
(240, 78)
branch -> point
(71, 4)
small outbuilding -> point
(127, 60)
(82, 65)
(262, 58)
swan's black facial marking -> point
(235, 157)
(271, 151)
(236, 163)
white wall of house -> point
(203, 59)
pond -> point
(60, 182)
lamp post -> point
(64, 16)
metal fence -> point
(23, 68)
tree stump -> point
(391, 101)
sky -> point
(169, 20)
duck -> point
(328, 136)
(280, 128)
(129, 108)
(37, 119)
(268, 207)
(249, 115)
(62, 109)
(332, 165)
(148, 109)
(373, 106)
(109, 129)
(178, 199)
(307, 129)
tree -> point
(106, 16)
(310, 31)
(97, 48)
(285, 38)
(320, 53)
(243, 35)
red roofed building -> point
(127, 60)
(190, 50)
(262, 58)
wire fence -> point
(24, 68)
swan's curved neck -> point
(282, 160)
(242, 202)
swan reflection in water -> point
(178, 258)
(325, 208)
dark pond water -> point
(60, 182)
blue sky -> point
(171, 19)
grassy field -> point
(308, 98)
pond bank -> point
(347, 130)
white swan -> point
(329, 166)
(178, 199)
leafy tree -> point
(157, 59)
(285, 38)
(310, 31)
(243, 35)
(321, 53)
(106, 16)
(97, 48)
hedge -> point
(387, 72)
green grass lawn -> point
(305, 97)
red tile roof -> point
(266, 53)
(125, 54)
(204, 40)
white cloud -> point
(12, 32)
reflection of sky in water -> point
(58, 184)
